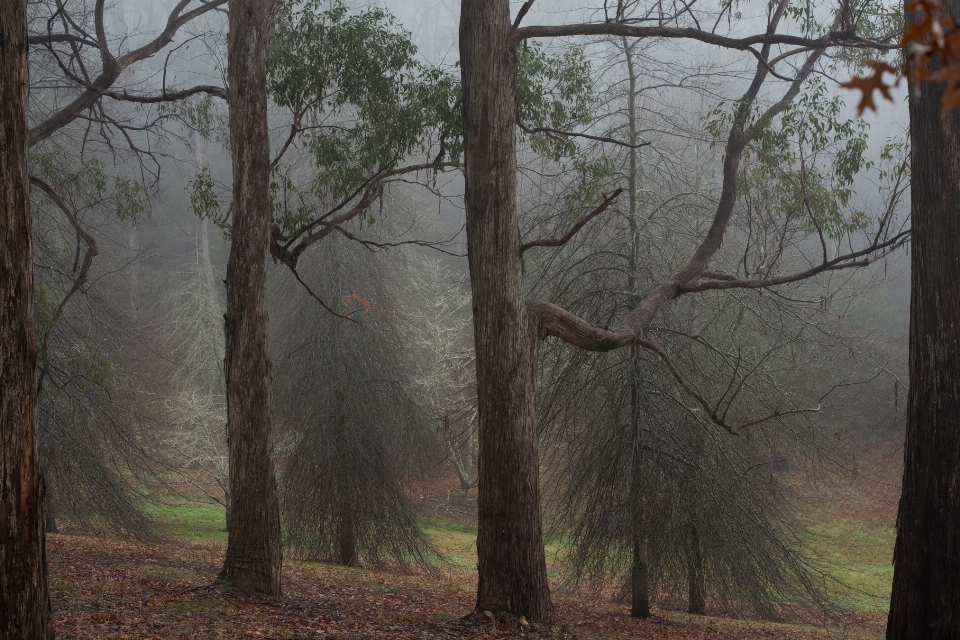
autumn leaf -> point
(871, 83)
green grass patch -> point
(190, 519)
(860, 557)
(456, 541)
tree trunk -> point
(24, 598)
(253, 546)
(639, 571)
(925, 602)
(697, 596)
(511, 563)
(348, 529)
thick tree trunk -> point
(253, 548)
(697, 592)
(511, 563)
(24, 598)
(925, 602)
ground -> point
(105, 588)
(108, 589)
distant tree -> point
(352, 424)
(193, 326)
(24, 595)
(81, 70)
(438, 330)
(641, 490)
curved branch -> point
(168, 96)
(113, 67)
(79, 281)
(559, 242)
(686, 33)
(570, 134)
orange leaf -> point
(871, 83)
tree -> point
(24, 596)
(512, 572)
(80, 69)
(406, 110)
(925, 602)
(253, 555)
(354, 427)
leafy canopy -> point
(361, 102)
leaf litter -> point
(109, 589)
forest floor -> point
(105, 588)
(108, 589)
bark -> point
(24, 596)
(253, 556)
(925, 602)
(697, 592)
(511, 563)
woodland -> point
(489, 318)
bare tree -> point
(439, 332)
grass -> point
(855, 548)
(456, 542)
(190, 519)
(859, 556)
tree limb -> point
(113, 67)
(559, 242)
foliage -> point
(360, 101)
(351, 427)
(803, 168)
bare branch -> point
(570, 134)
(709, 409)
(113, 67)
(559, 242)
(167, 96)
(831, 38)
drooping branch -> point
(559, 242)
(327, 224)
(81, 275)
(713, 412)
